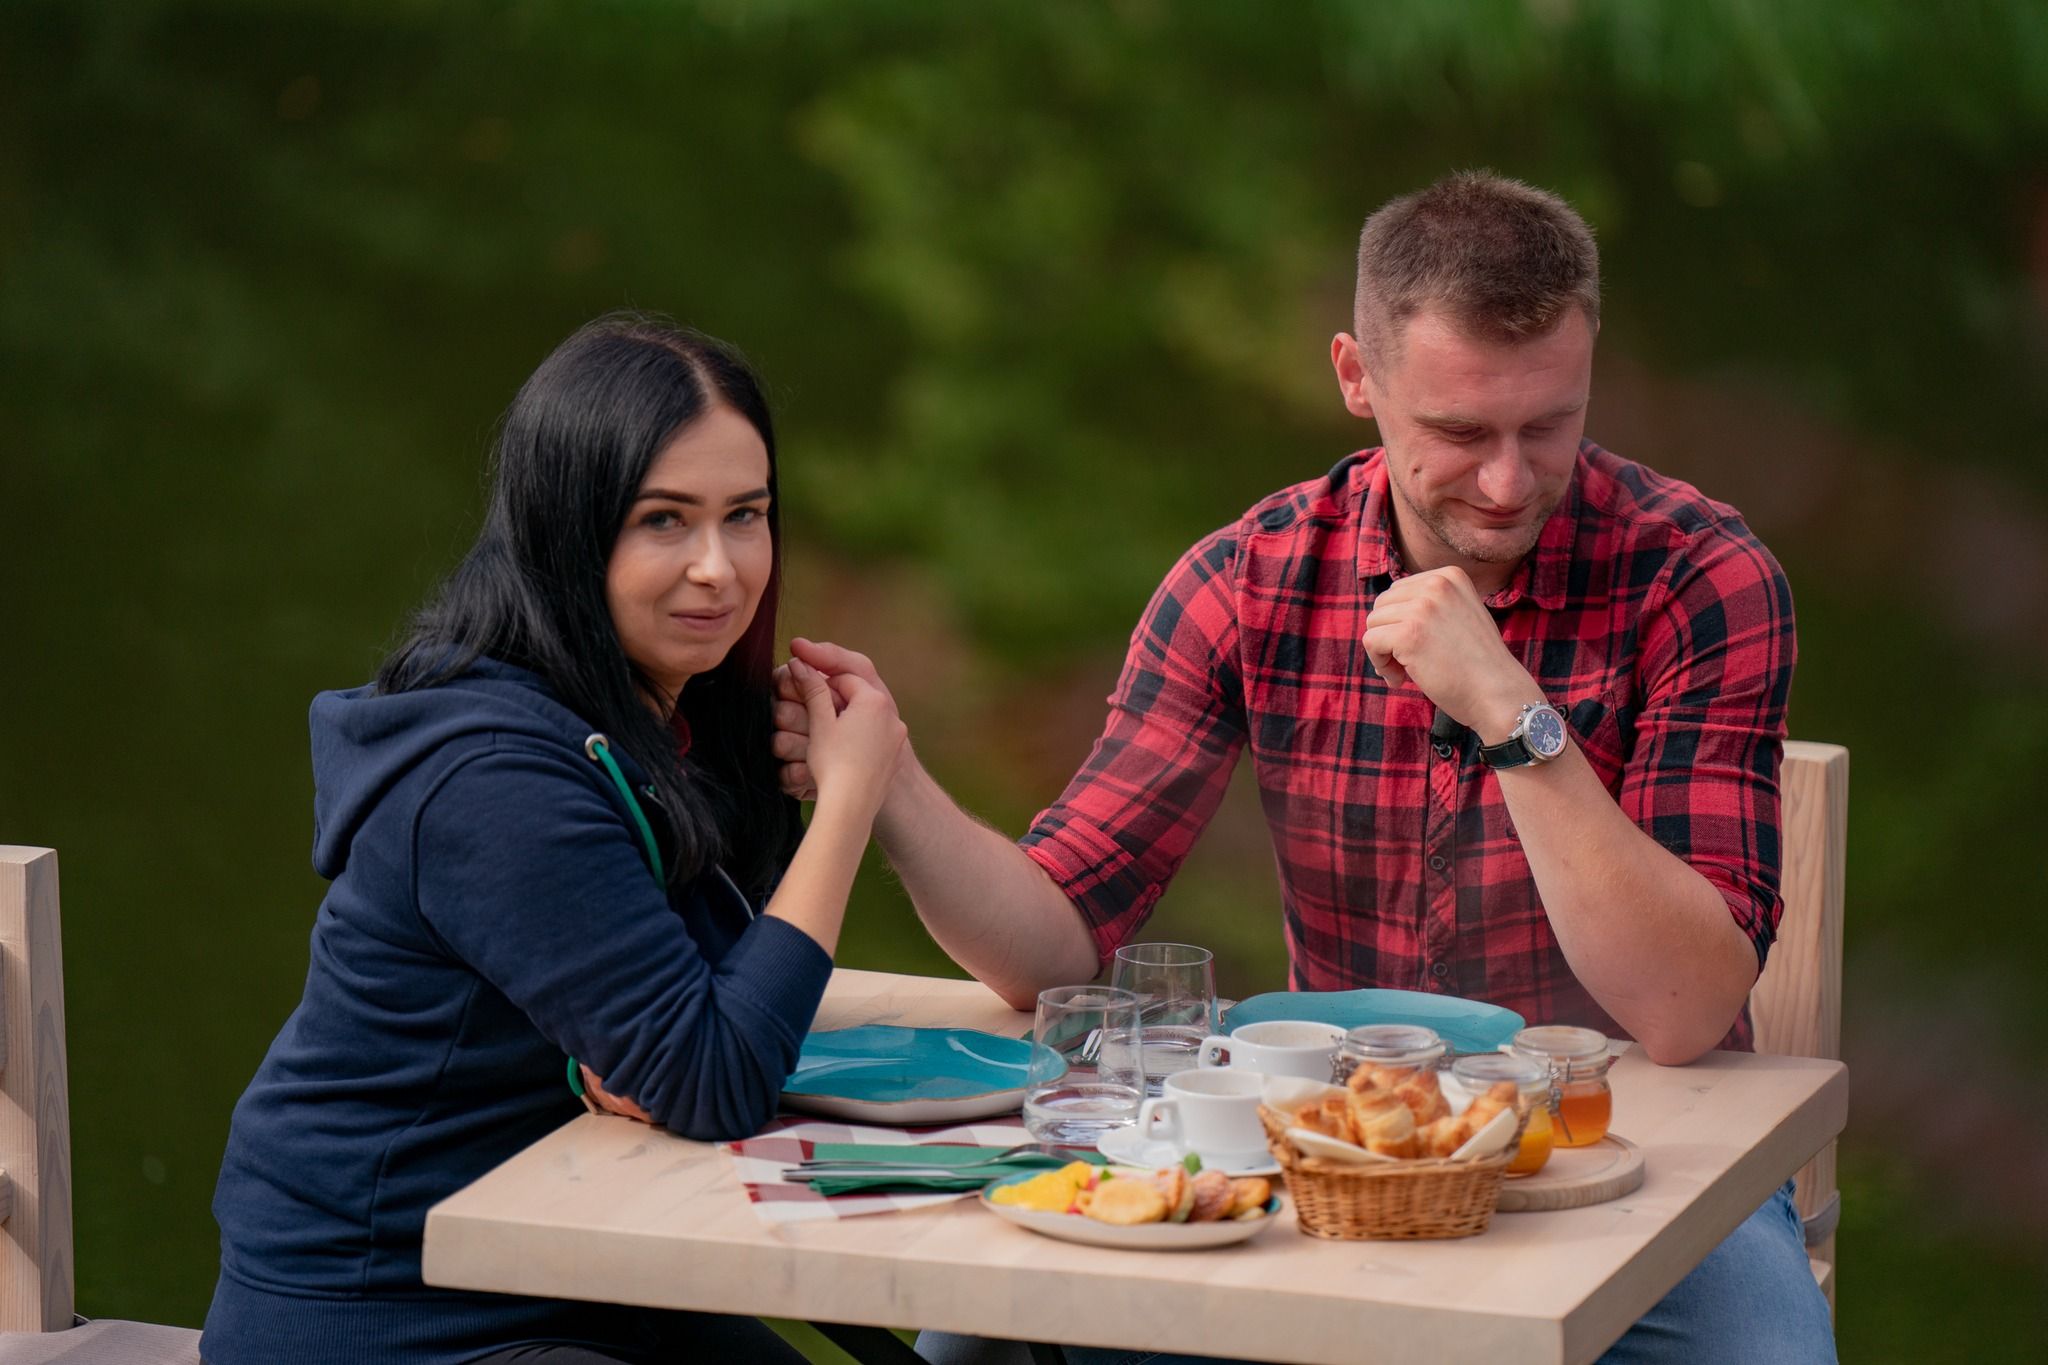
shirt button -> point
(1441, 969)
(1437, 863)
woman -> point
(553, 830)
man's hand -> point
(791, 742)
(1431, 629)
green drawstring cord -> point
(599, 749)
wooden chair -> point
(36, 1320)
(1797, 1003)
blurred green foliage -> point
(1044, 292)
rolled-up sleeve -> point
(1715, 676)
(1127, 821)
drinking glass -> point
(1176, 988)
(1085, 1076)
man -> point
(1396, 645)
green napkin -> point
(914, 1155)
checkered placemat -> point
(762, 1160)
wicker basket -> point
(1394, 1200)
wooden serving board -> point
(1577, 1176)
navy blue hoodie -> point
(491, 912)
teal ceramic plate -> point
(880, 1073)
(1467, 1025)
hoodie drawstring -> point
(599, 750)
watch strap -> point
(1509, 753)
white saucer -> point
(1126, 1148)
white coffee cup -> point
(1275, 1047)
(1214, 1114)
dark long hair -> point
(571, 454)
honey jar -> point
(1477, 1074)
(1581, 1103)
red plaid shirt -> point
(1650, 613)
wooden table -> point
(613, 1210)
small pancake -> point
(1124, 1203)
(1214, 1198)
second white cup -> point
(1214, 1114)
(1275, 1047)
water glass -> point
(1176, 988)
(1085, 1077)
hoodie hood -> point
(365, 741)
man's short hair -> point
(1503, 259)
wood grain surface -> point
(35, 1119)
(1797, 1003)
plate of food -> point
(883, 1073)
(1169, 1209)
(1466, 1025)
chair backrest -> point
(35, 1114)
(1797, 1003)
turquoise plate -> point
(1467, 1025)
(880, 1073)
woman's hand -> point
(603, 1101)
(791, 742)
(854, 739)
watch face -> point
(1545, 735)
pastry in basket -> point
(1500, 1095)
(1381, 1122)
(1374, 1076)
(1424, 1098)
(1329, 1115)
(1441, 1138)
(1419, 1090)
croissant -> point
(1444, 1136)
(1373, 1076)
(1424, 1098)
(1329, 1116)
(1384, 1123)
(1500, 1095)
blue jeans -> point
(1752, 1301)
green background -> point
(1044, 292)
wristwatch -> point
(1539, 736)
